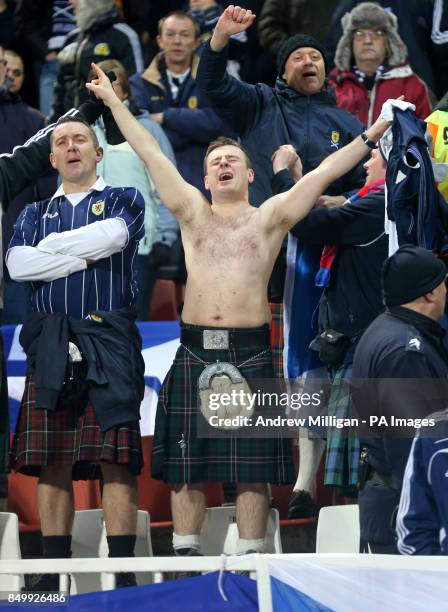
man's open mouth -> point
(309, 73)
(225, 176)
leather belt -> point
(222, 339)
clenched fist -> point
(232, 21)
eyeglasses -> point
(16, 72)
(362, 34)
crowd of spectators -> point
(299, 82)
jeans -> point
(47, 76)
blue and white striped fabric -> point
(160, 341)
(367, 582)
(107, 284)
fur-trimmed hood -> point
(369, 15)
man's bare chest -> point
(228, 241)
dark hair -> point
(179, 15)
(113, 65)
(63, 120)
(222, 141)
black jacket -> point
(353, 297)
(111, 346)
(399, 344)
(280, 19)
(34, 23)
(18, 123)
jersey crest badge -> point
(98, 207)
(192, 102)
(335, 137)
(101, 49)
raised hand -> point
(232, 21)
(286, 158)
(101, 87)
(386, 118)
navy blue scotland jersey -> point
(107, 284)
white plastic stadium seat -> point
(9, 549)
(338, 529)
(143, 548)
(220, 533)
(86, 538)
(89, 540)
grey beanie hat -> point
(369, 15)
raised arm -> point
(177, 195)
(238, 103)
(28, 161)
(232, 21)
(286, 209)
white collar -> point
(98, 185)
(181, 77)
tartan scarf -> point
(330, 251)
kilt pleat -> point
(70, 436)
(221, 459)
(277, 340)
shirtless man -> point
(230, 249)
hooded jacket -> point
(267, 117)
(189, 122)
(352, 95)
(105, 38)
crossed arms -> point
(62, 253)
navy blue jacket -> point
(353, 297)
(422, 519)
(267, 117)
(111, 346)
(189, 122)
(399, 344)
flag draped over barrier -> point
(231, 593)
(159, 344)
(314, 586)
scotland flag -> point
(159, 341)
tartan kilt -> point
(343, 447)
(70, 436)
(277, 340)
(223, 459)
